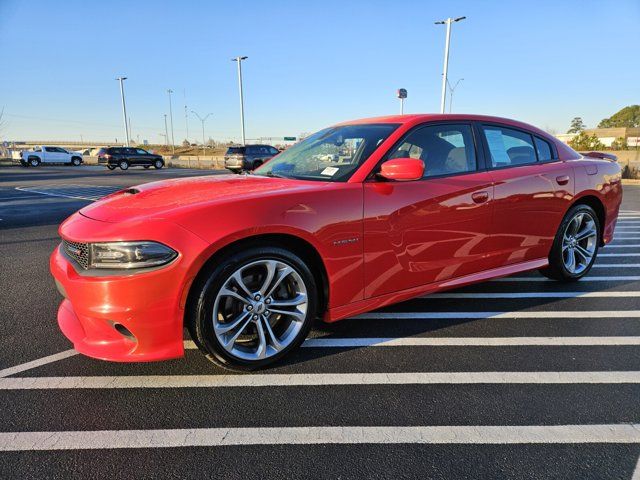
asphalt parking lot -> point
(521, 377)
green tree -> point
(627, 117)
(583, 142)
(577, 125)
(619, 143)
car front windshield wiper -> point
(271, 174)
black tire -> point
(34, 162)
(256, 164)
(146, 167)
(202, 297)
(557, 269)
(75, 161)
(111, 167)
(123, 164)
(158, 164)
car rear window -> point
(235, 151)
(544, 150)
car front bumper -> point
(125, 317)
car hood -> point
(167, 198)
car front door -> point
(431, 229)
(51, 155)
(143, 157)
(532, 192)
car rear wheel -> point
(575, 246)
(111, 167)
(252, 308)
(146, 167)
(158, 164)
(123, 164)
(75, 161)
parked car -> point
(248, 157)
(125, 157)
(415, 204)
(49, 155)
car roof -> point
(416, 118)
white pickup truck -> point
(47, 154)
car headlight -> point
(128, 255)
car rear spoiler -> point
(603, 156)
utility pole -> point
(124, 109)
(239, 60)
(173, 142)
(202, 120)
(130, 130)
(402, 94)
(445, 69)
(186, 115)
(166, 132)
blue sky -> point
(311, 64)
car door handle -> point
(480, 197)
(562, 179)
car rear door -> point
(435, 228)
(532, 192)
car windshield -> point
(332, 154)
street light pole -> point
(173, 142)
(202, 120)
(239, 60)
(124, 109)
(166, 132)
(445, 69)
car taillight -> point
(107, 156)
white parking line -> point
(37, 363)
(633, 245)
(636, 472)
(316, 379)
(616, 265)
(483, 295)
(621, 278)
(212, 437)
(470, 342)
(513, 315)
(618, 254)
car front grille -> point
(78, 252)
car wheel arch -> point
(298, 245)
(594, 202)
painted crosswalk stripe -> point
(626, 433)
(316, 379)
(469, 342)
(493, 295)
(512, 315)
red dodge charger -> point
(355, 217)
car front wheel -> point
(158, 164)
(34, 162)
(575, 246)
(252, 308)
(76, 162)
(124, 165)
(111, 167)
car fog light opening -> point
(130, 255)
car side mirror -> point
(402, 169)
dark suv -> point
(125, 157)
(248, 157)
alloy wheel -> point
(579, 243)
(260, 309)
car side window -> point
(49, 149)
(509, 147)
(273, 151)
(141, 151)
(444, 149)
(544, 150)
